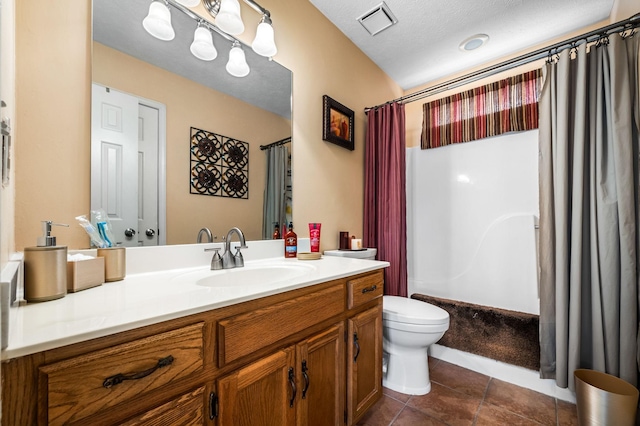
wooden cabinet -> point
(364, 362)
(81, 386)
(186, 410)
(321, 375)
(262, 393)
(310, 356)
(300, 385)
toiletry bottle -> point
(290, 243)
(45, 268)
(276, 232)
(314, 236)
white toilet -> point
(409, 328)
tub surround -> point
(159, 286)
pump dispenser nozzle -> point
(47, 240)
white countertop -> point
(146, 298)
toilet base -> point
(408, 374)
(406, 390)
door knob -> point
(150, 232)
(129, 232)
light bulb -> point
(237, 65)
(158, 21)
(264, 43)
(229, 19)
(202, 46)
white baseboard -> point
(520, 376)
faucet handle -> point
(216, 260)
(237, 258)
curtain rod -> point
(276, 143)
(591, 36)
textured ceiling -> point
(423, 45)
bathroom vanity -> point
(304, 350)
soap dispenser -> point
(45, 267)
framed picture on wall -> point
(338, 123)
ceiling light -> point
(229, 19)
(189, 3)
(202, 46)
(473, 42)
(237, 65)
(158, 21)
(264, 43)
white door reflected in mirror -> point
(125, 135)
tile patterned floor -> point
(463, 397)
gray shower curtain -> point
(589, 218)
(274, 207)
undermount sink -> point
(249, 275)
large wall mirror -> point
(171, 93)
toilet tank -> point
(368, 253)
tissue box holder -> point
(83, 274)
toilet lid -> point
(411, 311)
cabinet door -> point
(261, 394)
(321, 378)
(364, 362)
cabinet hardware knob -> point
(292, 382)
(357, 345)
(129, 232)
(119, 378)
(150, 232)
(306, 379)
(368, 289)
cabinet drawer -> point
(363, 289)
(243, 334)
(185, 410)
(77, 388)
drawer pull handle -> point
(306, 379)
(119, 378)
(292, 382)
(368, 289)
(213, 405)
(357, 345)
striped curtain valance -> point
(509, 105)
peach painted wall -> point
(53, 89)
(8, 95)
(190, 104)
(52, 128)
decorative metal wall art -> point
(219, 165)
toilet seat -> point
(398, 309)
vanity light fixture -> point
(228, 22)
(202, 46)
(158, 21)
(237, 65)
(264, 43)
(229, 19)
(189, 3)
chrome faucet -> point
(207, 232)
(236, 260)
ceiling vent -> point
(377, 19)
